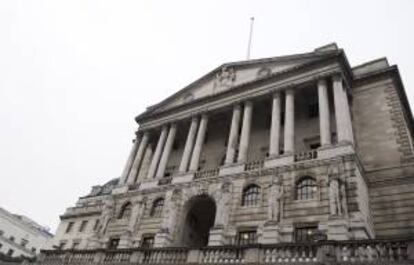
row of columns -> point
(198, 127)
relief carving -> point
(225, 78)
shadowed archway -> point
(198, 218)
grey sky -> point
(73, 74)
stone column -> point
(275, 126)
(234, 135)
(289, 147)
(245, 133)
(138, 158)
(342, 112)
(324, 113)
(189, 144)
(130, 160)
(195, 158)
(157, 154)
(167, 151)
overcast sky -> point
(74, 74)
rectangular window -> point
(1, 232)
(95, 226)
(11, 238)
(33, 250)
(147, 241)
(75, 245)
(305, 233)
(247, 237)
(313, 110)
(62, 245)
(83, 226)
(113, 243)
(10, 252)
(1, 245)
(69, 227)
(24, 242)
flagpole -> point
(250, 38)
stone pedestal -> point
(277, 161)
(271, 233)
(94, 242)
(120, 189)
(231, 169)
(162, 239)
(337, 229)
(125, 241)
(217, 237)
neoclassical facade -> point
(286, 149)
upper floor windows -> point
(247, 237)
(157, 207)
(251, 195)
(306, 188)
(147, 241)
(313, 110)
(125, 212)
(305, 233)
(83, 226)
(69, 227)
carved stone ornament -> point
(275, 200)
(225, 78)
(264, 72)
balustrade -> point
(306, 155)
(328, 252)
(206, 173)
(254, 165)
(223, 255)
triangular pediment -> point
(231, 75)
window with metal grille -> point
(313, 110)
(96, 225)
(305, 234)
(157, 207)
(125, 212)
(306, 188)
(147, 241)
(251, 195)
(247, 237)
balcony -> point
(396, 251)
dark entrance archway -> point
(199, 216)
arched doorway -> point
(199, 216)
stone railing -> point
(306, 155)
(83, 210)
(206, 173)
(254, 165)
(376, 252)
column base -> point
(271, 233)
(217, 236)
(125, 241)
(281, 160)
(183, 178)
(337, 228)
(231, 169)
(162, 239)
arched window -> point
(125, 212)
(306, 188)
(251, 195)
(157, 207)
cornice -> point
(244, 92)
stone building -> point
(21, 236)
(295, 148)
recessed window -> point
(251, 195)
(24, 242)
(305, 234)
(306, 188)
(83, 225)
(10, 252)
(11, 238)
(313, 110)
(157, 208)
(1, 245)
(1, 232)
(95, 226)
(314, 146)
(113, 243)
(125, 212)
(147, 241)
(69, 227)
(75, 245)
(33, 250)
(247, 237)
(62, 245)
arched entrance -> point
(199, 215)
